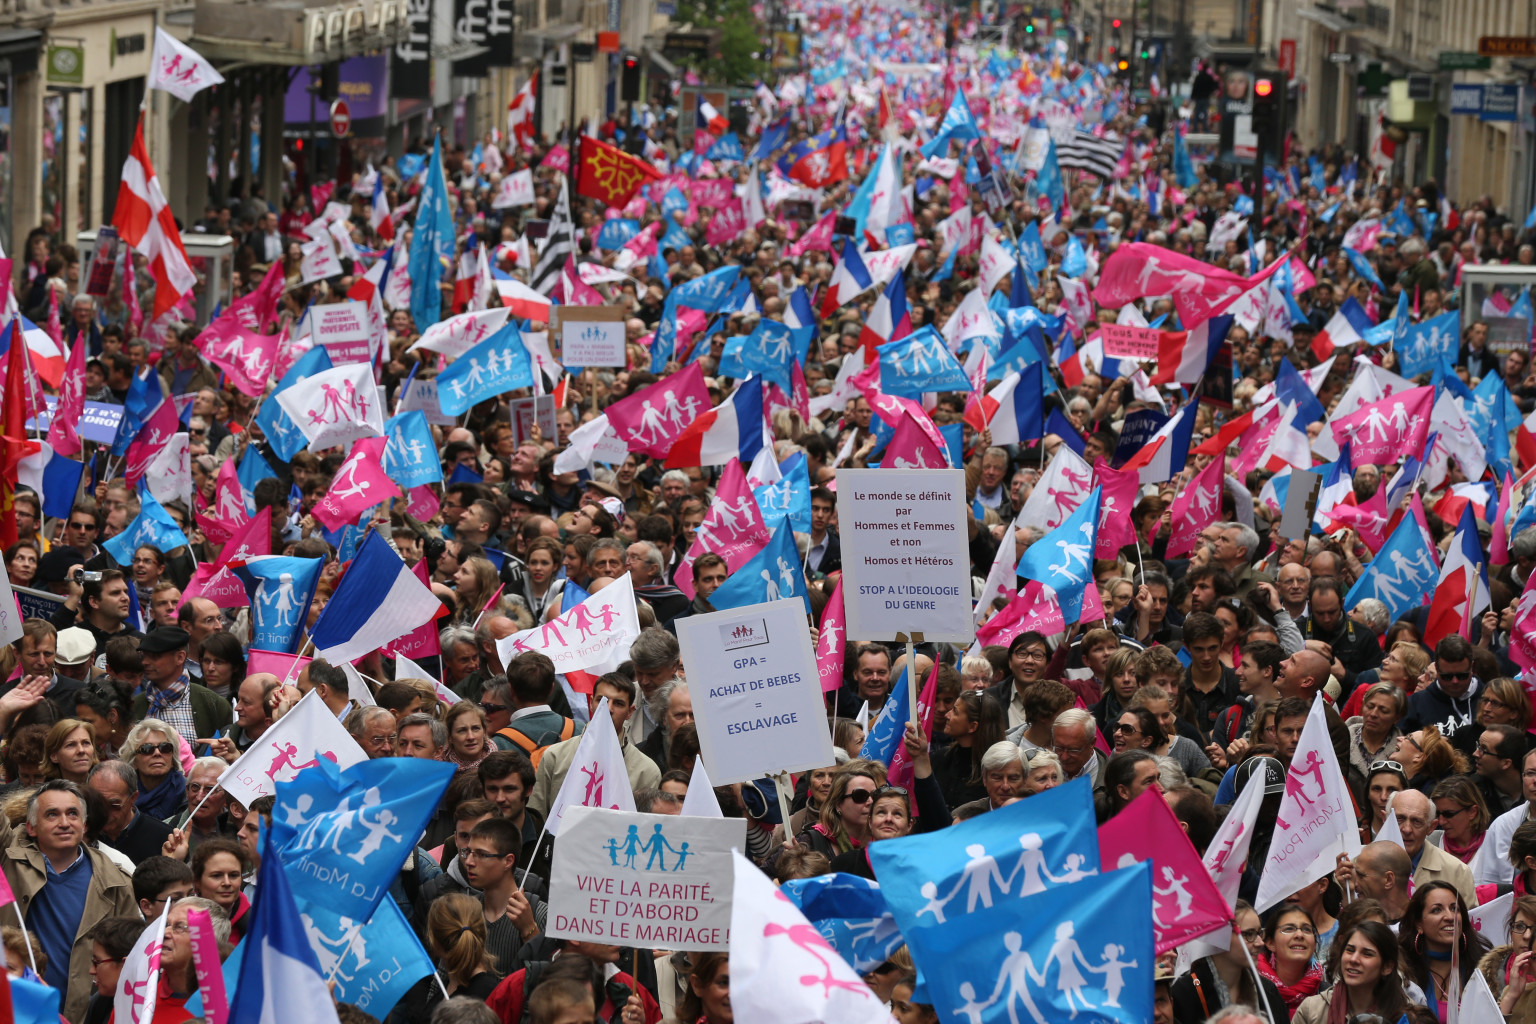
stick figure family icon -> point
(656, 845)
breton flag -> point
(1462, 593)
(731, 430)
(178, 69)
(143, 219)
(597, 777)
(558, 245)
(1088, 152)
(378, 600)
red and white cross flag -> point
(143, 219)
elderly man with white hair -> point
(1073, 737)
(672, 705)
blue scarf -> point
(166, 799)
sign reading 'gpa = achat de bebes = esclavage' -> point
(651, 880)
(906, 554)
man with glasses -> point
(159, 880)
(134, 835)
(1072, 741)
(374, 730)
(1416, 817)
(1491, 863)
(200, 618)
(512, 918)
(81, 529)
(1450, 702)
(209, 801)
(1496, 758)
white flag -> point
(597, 776)
(1478, 1002)
(357, 687)
(1316, 820)
(595, 635)
(1390, 831)
(295, 742)
(971, 319)
(405, 668)
(1067, 481)
(1002, 580)
(458, 334)
(996, 264)
(593, 441)
(1225, 858)
(335, 406)
(169, 475)
(515, 190)
(179, 69)
(1492, 919)
(782, 970)
(699, 801)
(138, 986)
(319, 261)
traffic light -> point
(1269, 89)
(629, 91)
(1263, 88)
(1029, 28)
(1116, 23)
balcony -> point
(293, 32)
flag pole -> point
(783, 787)
(1258, 982)
(488, 606)
(27, 941)
(528, 868)
(346, 950)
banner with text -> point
(1124, 342)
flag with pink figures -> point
(295, 743)
(597, 776)
(594, 635)
(335, 407)
(733, 528)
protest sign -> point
(10, 613)
(1124, 342)
(422, 395)
(757, 695)
(99, 422)
(527, 411)
(589, 335)
(342, 328)
(905, 554)
(37, 604)
(652, 880)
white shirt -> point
(1491, 862)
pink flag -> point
(220, 586)
(1138, 269)
(63, 434)
(259, 308)
(423, 640)
(650, 420)
(1379, 433)
(726, 224)
(900, 771)
(250, 540)
(277, 663)
(830, 645)
(1093, 606)
(911, 448)
(154, 435)
(1185, 903)
(818, 238)
(358, 486)
(55, 325)
(245, 357)
(228, 496)
(558, 158)
(712, 193)
(1121, 487)
(424, 503)
(733, 528)
(217, 530)
(578, 292)
(1196, 507)
(1368, 519)
(205, 961)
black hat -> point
(1270, 768)
(533, 499)
(54, 566)
(164, 640)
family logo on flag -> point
(297, 742)
(594, 634)
(138, 988)
(597, 777)
(281, 589)
(335, 406)
(651, 419)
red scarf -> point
(1308, 984)
(1463, 853)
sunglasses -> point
(492, 709)
(1391, 766)
(163, 747)
(1455, 675)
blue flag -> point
(497, 365)
(1086, 950)
(373, 968)
(727, 147)
(1031, 249)
(920, 362)
(1057, 423)
(410, 456)
(1183, 166)
(1063, 558)
(1493, 409)
(673, 203)
(959, 123)
(769, 350)
(432, 243)
(34, 1002)
(1075, 262)
(850, 913)
(280, 976)
(144, 397)
(1049, 180)
(772, 574)
(1363, 268)
(61, 479)
(772, 140)
(890, 725)
(252, 470)
(343, 835)
(1425, 343)
(1289, 387)
(1402, 575)
(708, 293)
(153, 526)
(280, 589)
(790, 498)
(464, 473)
(285, 437)
(614, 233)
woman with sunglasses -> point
(890, 817)
(1462, 814)
(1510, 969)
(1435, 924)
(151, 749)
(1428, 757)
(1138, 729)
(1362, 964)
(844, 821)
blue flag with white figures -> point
(1402, 575)
(615, 232)
(727, 147)
(664, 339)
(1075, 262)
(410, 454)
(1426, 342)
(959, 123)
(708, 293)
(769, 350)
(284, 435)
(280, 589)
(1063, 558)
(497, 365)
(789, 498)
(280, 977)
(1080, 952)
(344, 835)
(890, 725)
(1018, 850)
(373, 966)
(1183, 166)
(252, 470)
(1493, 409)
(773, 574)
(1031, 249)
(920, 362)
(144, 397)
(153, 525)
(850, 913)
(432, 243)
(1049, 181)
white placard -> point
(592, 336)
(662, 881)
(10, 613)
(319, 261)
(422, 394)
(906, 555)
(756, 694)
(525, 410)
(340, 323)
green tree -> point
(738, 59)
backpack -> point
(529, 746)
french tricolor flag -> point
(731, 430)
(1184, 356)
(1462, 593)
(1014, 409)
(378, 601)
(709, 119)
(849, 280)
(1347, 327)
(889, 320)
(378, 212)
(1165, 456)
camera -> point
(82, 576)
